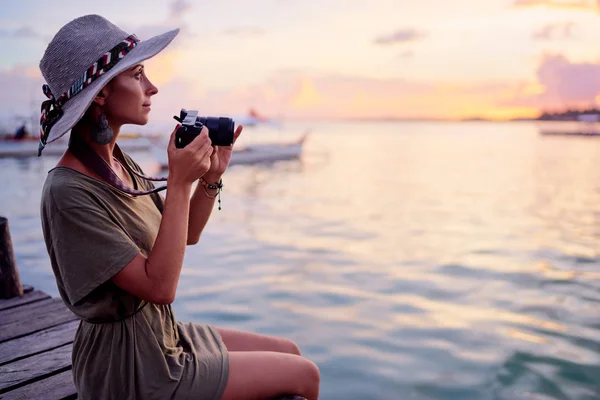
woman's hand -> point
(188, 164)
(220, 158)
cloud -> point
(245, 31)
(400, 36)
(555, 31)
(24, 32)
(562, 84)
(592, 5)
(179, 8)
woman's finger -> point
(209, 152)
(237, 133)
(204, 150)
(200, 140)
(171, 144)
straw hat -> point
(80, 60)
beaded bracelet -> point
(218, 187)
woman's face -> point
(128, 96)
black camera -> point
(220, 129)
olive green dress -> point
(125, 347)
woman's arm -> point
(201, 207)
(155, 278)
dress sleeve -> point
(90, 248)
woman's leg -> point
(259, 375)
(247, 341)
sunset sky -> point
(335, 58)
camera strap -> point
(88, 157)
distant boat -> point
(587, 125)
(28, 147)
(269, 152)
(251, 154)
(254, 118)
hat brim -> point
(74, 109)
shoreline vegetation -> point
(568, 115)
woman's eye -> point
(138, 74)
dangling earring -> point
(102, 133)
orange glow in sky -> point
(497, 59)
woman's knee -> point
(306, 379)
(270, 374)
(311, 379)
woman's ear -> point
(100, 98)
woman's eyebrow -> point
(137, 66)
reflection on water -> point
(409, 260)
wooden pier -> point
(36, 338)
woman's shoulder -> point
(67, 188)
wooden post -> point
(10, 283)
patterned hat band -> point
(52, 109)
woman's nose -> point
(151, 90)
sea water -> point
(409, 260)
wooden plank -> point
(33, 368)
(15, 314)
(27, 298)
(56, 387)
(38, 342)
(24, 320)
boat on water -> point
(250, 154)
(23, 144)
(585, 125)
(269, 152)
(28, 147)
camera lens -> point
(220, 130)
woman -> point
(117, 254)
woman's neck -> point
(106, 151)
